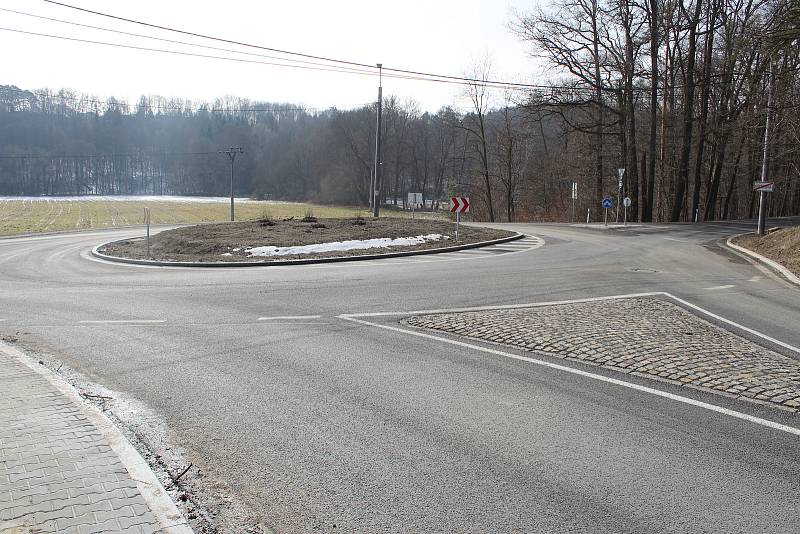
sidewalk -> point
(65, 468)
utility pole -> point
(231, 152)
(620, 173)
(376, 186)
(762, 200)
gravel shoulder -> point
(782, 246)
(229, 242)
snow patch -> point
(353, 244)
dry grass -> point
(782, 246)
(48, 215)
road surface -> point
(317, 423)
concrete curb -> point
(336, 259)
(158, 500)
(786, 273)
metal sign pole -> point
(147, 223)
(458, 220)
(605, 216)
(626, 217)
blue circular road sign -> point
(607, 202)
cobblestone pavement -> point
(57, 471)
(647, 337)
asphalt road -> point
(318, 423)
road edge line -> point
(586, 374)
(786, 273)
(158, 500)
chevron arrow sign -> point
(459, 204)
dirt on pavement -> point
(228, 242)
(782, 246)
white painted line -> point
(677, 240)
(504, 306)
(586, 374)
(290, 318)
(126, 321)
(714, 288)
(756, 278)
(575, 301)
(732, 323)
(153, 493)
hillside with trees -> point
(677, 93)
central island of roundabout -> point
(297, 241)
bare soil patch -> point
(782, 246)
(228, 242)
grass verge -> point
(782, 246)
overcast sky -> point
(439, 36)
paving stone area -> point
(644, 336)
(57, 471)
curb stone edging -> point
(786, 273)
(158, 500)
(335, 259)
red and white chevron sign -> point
(459, 204)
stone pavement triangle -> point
(60, 472)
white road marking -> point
(126, 321)
(756, 278)
(735, 324)
(290, 318)
(586, 374)
(677, 240)
(575, 301)
(503, 306)
(714, 288)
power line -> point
(412, 73)
(174, 41)
(241, 60)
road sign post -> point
(147, 222)
(627, 203)
(574, 198)
(606, 205)
(620, 173)
(459, 205)
(414, 199)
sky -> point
(438, 36)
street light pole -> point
(376, 186)
(231, 153)
(762, 208)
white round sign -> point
(627, 202)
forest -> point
(695, 100)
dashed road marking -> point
(125, 321)
(290, 318)
(714, 288)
